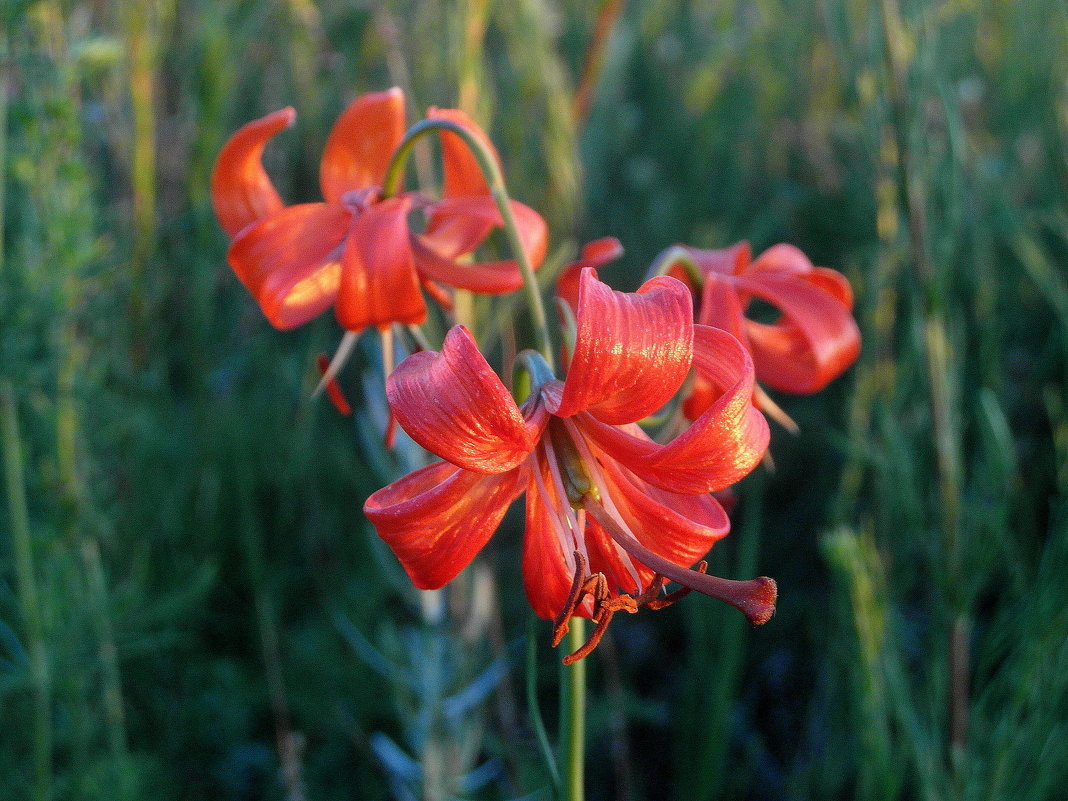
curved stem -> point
(487, 163)
(676, 256)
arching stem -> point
(491, 171)
(676, 256)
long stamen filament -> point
(589, 461)
(344, 350)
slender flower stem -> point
(676, 256)
(533, 711)
(491, 171)
(573, 715)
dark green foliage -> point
(209, 596)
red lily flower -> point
(815, 338)
(355, 250)
(611, 514)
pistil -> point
(754, 598)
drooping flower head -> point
(814, 338)
(356, 251)
(611, 515)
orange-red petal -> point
(361, 143)
(241, 191)
(437, 518)
(461, 170)
(379, 285)
(455, 406)
(680, 528)
(459, 225)
(720, 308)
(547, 571)
(719, 448)
(632, 352)
(594, 254)
(290, 261)
(814, 342)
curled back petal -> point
(719, 448)
(833, 283)
(594, 254)
(812, 344)
(379, 285)
(290, 261)
(459, 225)
(724, 261)
(720, 308)
(632, 351)
(455, 406)
(781, 258)
(436, 519)
(361, 143)
(680, 528)
(460, 168)
(241, 191)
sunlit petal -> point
(632, 352)
(379, 285)
(361, 143)
(462, 173)
(437, 518)
(241, 191)
(290, 261)
(720, 447)
(455, 406)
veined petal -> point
(361, 143)
(379, 284)
(290, 261)
(814, 342)
(455, 406)
(720, 447)
(437, 518)
(458, 225)
(241, 191)
(632, 352)
(462, 173)
(594, 254)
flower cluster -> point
(613, 512)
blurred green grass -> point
(193, 526)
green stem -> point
(487, 163)
(533, 710)
(573, 715)
(22, 545)
(676, 256)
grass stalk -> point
(937, 356)
(22, 544)
(141, 48)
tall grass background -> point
(191, 605)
